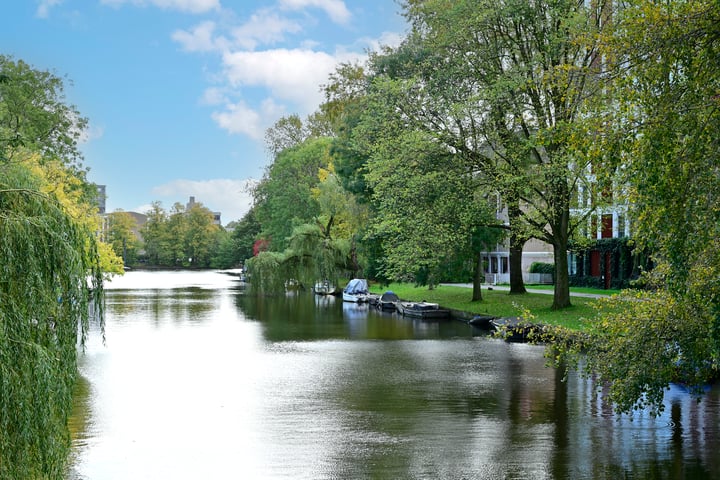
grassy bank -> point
(598, 291)
(500, 304)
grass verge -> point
(501, 304)
(598, 291)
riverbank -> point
(536, 307)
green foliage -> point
(245, 234)
(155, 235)
(310, 220)
(647, 341)
(507, 86)
(200, 235)
(35, 117)
(180, 238)
(428, 209)
(283, 199)
(267, 272)
(122, 238)
(285, 133)
(46, 261)
(663, 59)
(225, 251)
(540, 267)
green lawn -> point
(500, 303)
(598, 291)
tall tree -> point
(663, 59)
(156, 236)
(283, 199)
(505, 84)
(429, 210)
(121, 235)
(245, 234)
(176, 228)
(200, 235)
(35, 116)
(286, 133)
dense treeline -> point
(184, 237)
(519, 105)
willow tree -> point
(505, 84)
(50, 269)
(323, 219)
(46, 262)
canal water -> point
(197, 379)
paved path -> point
(530, 290)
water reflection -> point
(313, 317)
(199, 381)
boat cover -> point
(356, 286)
(389, 296)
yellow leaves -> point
(109, 262)
(56, 180)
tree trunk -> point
(477, 278)
(561, 298)
(517, 241)
(517, 284)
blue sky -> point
(179, 93)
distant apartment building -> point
(216, 215)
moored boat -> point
(423, 310)
(482, 321)
(514, 329)
(387, 301)
(324, 288)
(356, 291)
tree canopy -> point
(51, 270)
(666, 86)
(181, 237)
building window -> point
(621, 225)
(607, 226)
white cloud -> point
(289, 79)
(200, 38)
(231, 197)
(213, 96)
(263, 27)
(239, 118)
(43, 10)
(335, 9)
(189, 6)
(290, 75)
(91, 133)
(389, 39)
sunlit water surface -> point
(198, 380)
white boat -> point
(324, 288)
(356, 291)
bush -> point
(540, 267)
